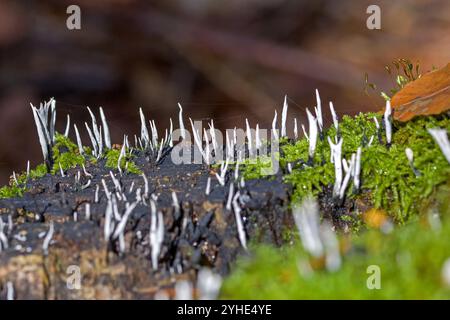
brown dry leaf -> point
(430, 94)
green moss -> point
(11, 192)
(387, 178)
(112, 158)
(66, 154)
(410, 259)
(17, 189)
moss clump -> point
(66, 154)
(11, 191)
(410, 259)
(17, 189)
(112, 158)
(387, 178)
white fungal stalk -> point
(66, 131)
(144, 131)
(305, 133)
(183, 290)
(348, 175)
(198, 141)
(45, 129)
(106, 134)
(156, 234)
(258, 142)
(336, 151)
(208, 284)
(284, 117)
(123, 221)
(318, 109)
(180, 120)
(306, 218)
(3, 239)
(295, 129)
(441, 138)
(223, 172)
(9, 291)
(208, 186)
(249, 137)
(48, 238)
(388, 123)
(239, 224)
(230, 196)
(97, 136)
(333, 259)
(80, 145)
(334, 116)
(274, 126)
(109, 224)
(357, 171)
(313, 132)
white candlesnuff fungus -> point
(304, 132)
(336, 150)
(46, 129)
(175, 202)
(306, 217)
(123, 221)
(410, 156)
(144, 131)
(109, 224)
(284, 117)
(87, 174)
(333, 259)
(258, 142)
(313, 132)
(86, 185)
(97, 133)
(3, 239)
(230, 196)
(274, 126)
(347, 177)
(80, 145)
(197, 140)
(66, 131)
(95, 150)
(295, 129)
(156, 235)
(183, 290)
(388, 122)
(180, 120)
(319, 110)
(9, 291)
(106, 133)
(48, 238)
(334, 116)
(97, 190)
(249, 137)
(61, 171)
(208, 186)
(87, 211)
(441, 138)
(356, 176)
(239, 224)
(208, 284)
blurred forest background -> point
(226, 60)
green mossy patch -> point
(387, 178)
(410, 261)
(65, 154)
(112, 158)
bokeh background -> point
(226, 60)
